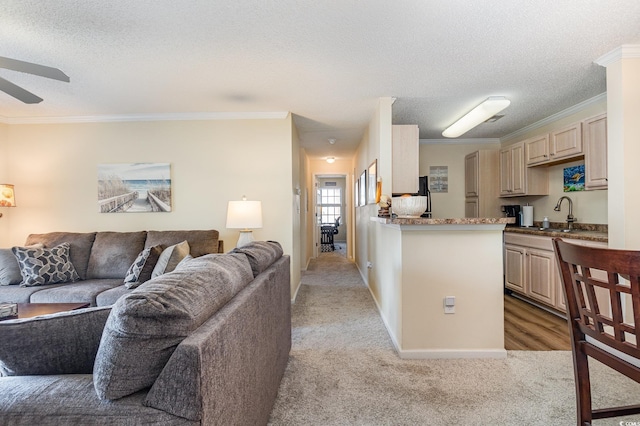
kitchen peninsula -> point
(422, 261)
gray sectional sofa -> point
(101, 260)
(204, 344)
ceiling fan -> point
(29, 68)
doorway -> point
(331, 224)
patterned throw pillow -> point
(141, 269)
(40, 266)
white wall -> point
(54, 169)
(449, 204)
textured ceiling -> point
(327, 62)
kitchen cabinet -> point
(405, 159)
(481, 184)
(559, 145)
(531, 270)
(595, 152)
(515, 178)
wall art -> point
(134, 187)
(573, 178)
(439, 178)
(372, 179)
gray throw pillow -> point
(40, 266)
(141, 269)
(170, 258)
(63, 343)
(9, 267)
(146, 325)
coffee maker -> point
(512, 210)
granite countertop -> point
(447, 221)
(581, 231)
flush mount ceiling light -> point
(332, 141)
(487, 109)
(331, 160)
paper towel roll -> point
(527, 215)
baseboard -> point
(451, 353)
(295, 295)
(384, 321)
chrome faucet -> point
(570, 218)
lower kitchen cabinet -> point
(530, 268)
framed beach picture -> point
(372, 179)
(134, 187)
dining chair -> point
(601, 327)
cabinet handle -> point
(552, 154)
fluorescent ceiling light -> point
(487, 109)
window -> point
(330, 205)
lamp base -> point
(246, 236)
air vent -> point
(331, 184)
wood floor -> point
(529, 328)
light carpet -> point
(343, 370)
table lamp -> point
(244, 215)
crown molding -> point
(557, 116)
(459, 141)
(619, 53)
(275, 115)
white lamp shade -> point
(244, 214)
(487, 109)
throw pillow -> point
(141, 269)
(9, 267)
(170, 258)
(51, 344)
(146, 325)
(40, 266)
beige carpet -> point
(343, 370)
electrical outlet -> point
(369, 265)
(450, 305)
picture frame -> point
(134, 188)
(356, 191)
(362, 198)
(372, 180)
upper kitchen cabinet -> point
(481, 184)
(595, 152)
(516, 179)
(406, 159)
(559, 145)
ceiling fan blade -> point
(18, 92)
(31, 68)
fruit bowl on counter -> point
(409, 206)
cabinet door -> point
(595, 152)
(471, 177)
(514, 268)
(537, 150)
(542, 276)
(505, 172)
(518, 170)
(471, 207)
(566, 142)
(405, 159)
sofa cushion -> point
(40, 266)
(201, 242)
(170, 258)
(142, 268)
(109, 297)
(63, 343)
(9, 267)
(261, 254)
(146, 325)
(113, 252)
(85, 291)
(80, 246)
